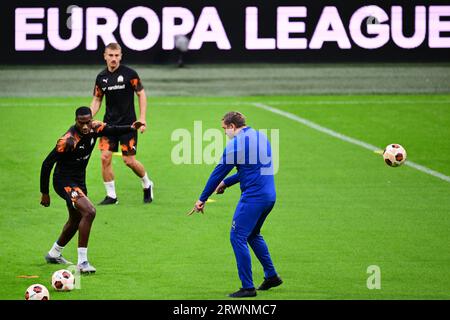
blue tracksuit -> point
(250, 152)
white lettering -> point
(379, 30)
(330, 19)
(76, 29)
(171, 30)
(209, 28)
(116, 87)
(436, 26)
(285, 27)
(252, 42)
(153, 28)
(370, 27)
(95, 30)
(24, 28)
(198, 143)
(397, 28)
(213, 150)
(374, 280)
(181, 152)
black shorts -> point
(128, 143)
(70, 190)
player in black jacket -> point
(71, 155)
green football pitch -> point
(340, 209)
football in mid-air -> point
(37, 292)
(63, 280)
(394, 155)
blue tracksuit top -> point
(250, 152)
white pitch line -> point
(357, 102)
(348, 139)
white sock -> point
(82, 255)
(56, 250)
(146, 182)
(110, 189)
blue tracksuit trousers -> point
(247, 221)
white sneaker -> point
(86, 267)
(148, 193)
(56, 260)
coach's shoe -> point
(271, 282)
(243, 293)
(86, 267)
(109, 200)
(56, 260)
(148, 194)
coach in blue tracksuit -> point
(249, 151)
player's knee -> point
(106, 159)
(129, 161)
(251, 237)
(255, 239)
(232, 238)
(237, 239)
(90, 213)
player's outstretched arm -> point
(103, 129)
(219, 173)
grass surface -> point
(339, 209)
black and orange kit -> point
(119, 87)
(71, 155)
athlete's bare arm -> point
(96, 104)
(142, 109)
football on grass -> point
(63, 280)
(37, 292)
(394, 155)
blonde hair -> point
(113, 46)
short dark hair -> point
(113, 46)
(82, 111)
(234, 117)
